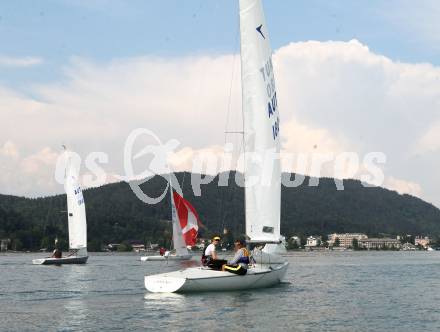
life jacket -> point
(245, 258)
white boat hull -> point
(206, 280)
(166, 258)
(59, 261)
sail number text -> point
(272, 105)
(79, 196)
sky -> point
(356, 76)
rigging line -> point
(234, 190)
(197, 105)
(231, 84)
(183, 181)
(243, 142)
(201, 83)
(171, 206)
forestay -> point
(261, 126)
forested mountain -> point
(115, 214)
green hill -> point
(115, 214)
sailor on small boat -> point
(210, 258)
(238, 264)
(57, 253)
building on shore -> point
(345, 239)
(4, 244)
(138, 247)
(313, 241)
(380, 243)
(422, 241)
(408, 247)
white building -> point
(4, 244)
(380, 243)
(345, 239)
(408, 247)
(313, 241)
(138, 247)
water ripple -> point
(365, 291)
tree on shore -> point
(125, 246)
(115, 214)
(355, 244)
(292, 244)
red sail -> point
(188, 219)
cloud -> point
(9, 150)
(430, 141)
(27, 61)
(171, 96)
(32, 174)
(333, 97)
(301, 138)
(44, 158)
(403, 186)
(365, 98)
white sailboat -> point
(185, 226)
(76, 220)
(263, 183)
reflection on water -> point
(75, 309)
(344, 291)
(164, 298)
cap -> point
(216, 238)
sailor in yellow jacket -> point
(239, 264)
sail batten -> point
(261, 127)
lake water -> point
(339, 291)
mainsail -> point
(178, 242)
(261, 127)
(76, 208)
